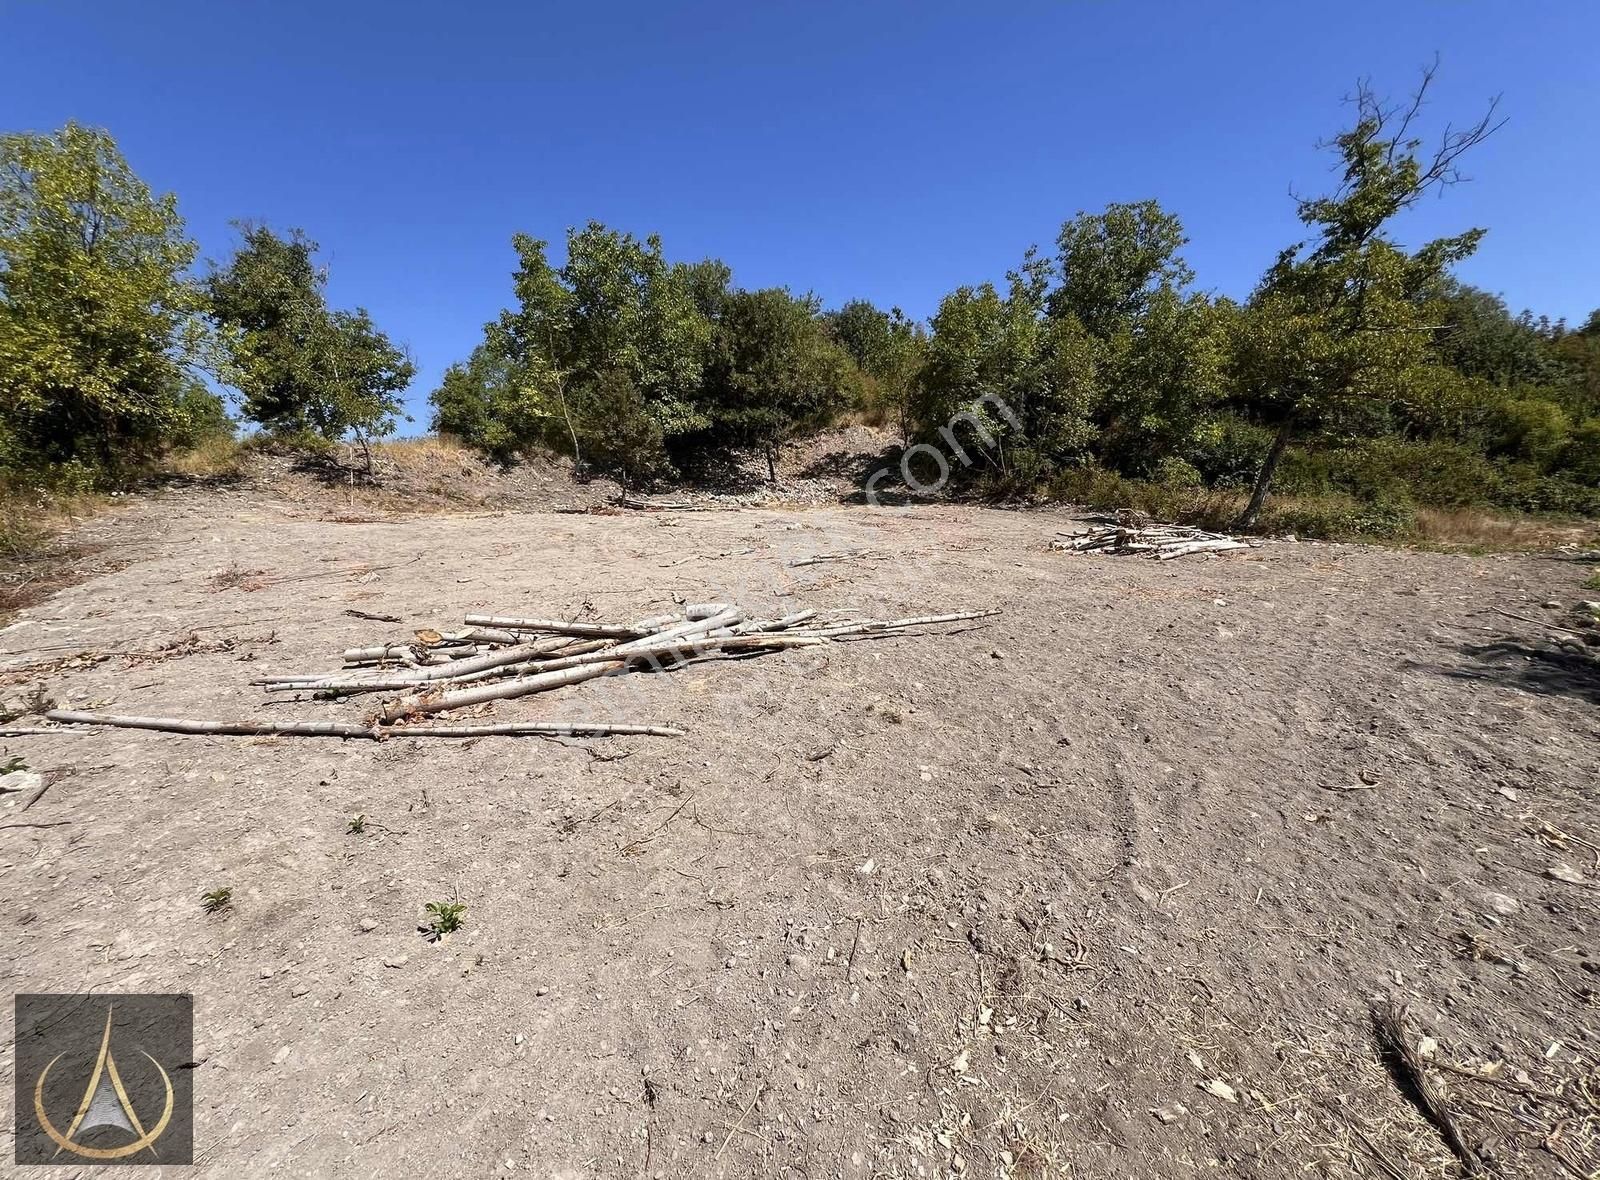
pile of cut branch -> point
(1161, 541)
(496, 657)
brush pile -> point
(1161, 541)
(497, 657)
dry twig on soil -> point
(502, 657)
(1161, 541)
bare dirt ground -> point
(1105, 885)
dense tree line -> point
(112, 348)
(1359, 371)
(643, 366)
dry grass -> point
(34, 561)
(430, 448)
(1479, 528)
(218, 457)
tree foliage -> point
(301, 367)
(633, 363)
(776, 371)
(99, 331)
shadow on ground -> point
(1532, 666)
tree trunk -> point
(1269, 466)
(772, 465)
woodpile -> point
(1161, 541)
(501, 657)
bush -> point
(1229, 451)
(1337, 517)
(1173, 472)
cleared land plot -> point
(1107, 882)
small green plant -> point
(13, 764)
(217, 899)
(357, 825)
(1594, 581)
(444, 917)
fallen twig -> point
(1406, 1061)
(345, 729)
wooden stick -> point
(727, 617)
(497, 691)
(532, 728)
(782, 624)
(447, 670)
(404, 681)
(1168, 552)
(554, 626)
(871, 626)
(342, 729)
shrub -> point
(1337, 517)
(1228, 452)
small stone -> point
(543, 991)
(281, 1056)
(1501, 903)
(997, 654)
(369, 924)
(798, 963)
(266, 973)
(21, 780)
(298, 990)
(1169, 1114)
(518, 1039)
(730, 963)
(397, 960)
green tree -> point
(889, 349)
(1158, 353)
(98, 322)
(614, 323)
(1113, 264)
(776, 371)
(1345, 322)
(1098, 352)
(1479, 337)
(301, 367)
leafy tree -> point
(98, 322)
(889, 350)
(1098, 351)
(301, 367)
(623, 433)
(1113, 264)
(1345, 321)
(776, 371)
(987, 351)
(1479, 337)
(614, 317)
(479, 401)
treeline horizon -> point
(1358, 372)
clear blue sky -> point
(891, 151)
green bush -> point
(1173, 472)
(1228, 452)
(1337, 517)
